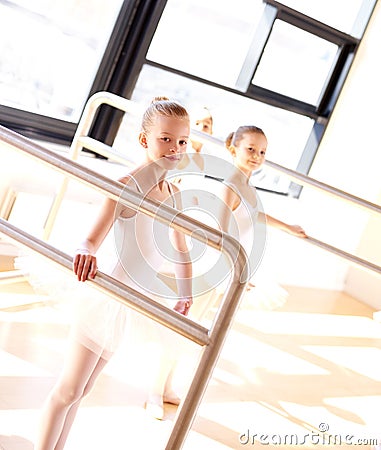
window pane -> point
(287, 132)
(50, 53)
(339, 14)
(209, 39)
(295, 63)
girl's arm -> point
(183, 267)
(295, 230)
(230, 201)
(85, 261)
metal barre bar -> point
(124, 104)
(118, 290)
(308, 181)
(118, 192)
(302, 179)
(348, 256)
(127, 105)
(228, 245)
(341, 253)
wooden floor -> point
(284, 377)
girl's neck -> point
(242, 176)
(197, 147)
(153, 173)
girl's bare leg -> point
(70, 416)
(169, 395)
(161, 389)
(81, 369)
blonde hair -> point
(162, 106)
(200, 114)
(235, 137)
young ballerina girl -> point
(141, 244)
(241, 211)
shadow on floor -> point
(15, 443)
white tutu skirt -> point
(98, 321)
(263, 290)
(264, 294)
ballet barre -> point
(212, 339)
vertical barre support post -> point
(211, 352)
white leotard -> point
(99, 321)
(246, 228)
(252, 234)
(142, 245)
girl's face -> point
(166, 141)
(205, 125)
(249, 153)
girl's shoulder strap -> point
(131, 177)
(231, 186)
(172, 192)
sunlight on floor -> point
(280, 372)
(312, 363)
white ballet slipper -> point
(155, 407)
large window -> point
(50, 53)
(277, 65)
(287, 132)
(209, 39)
(339, 14)
(295, 63)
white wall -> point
(362, 284)
(350, 159)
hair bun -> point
(160, 99)
(229, 140)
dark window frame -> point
(321, 112)
(126, 53)
(117, 73)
